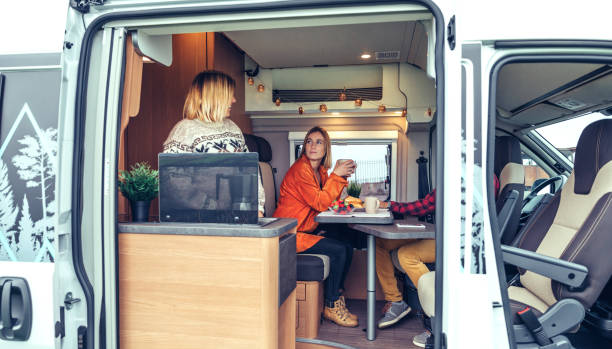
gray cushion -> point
(312, 267)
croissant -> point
(356, 202)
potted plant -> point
(140, 185)
(354, 189)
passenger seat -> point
(563, 257)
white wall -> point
(419, 88)
(33, 26)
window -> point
(374, 153)
(564, 135)
(533, 172)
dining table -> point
(379, 224)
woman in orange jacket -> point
(305, 192)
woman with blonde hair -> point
(307, 190)
(205, 127)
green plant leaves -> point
(354, 189)
(141, 183)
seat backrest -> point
(511, 173)
(576, 225)
(263, 148)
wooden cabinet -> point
(187, 291)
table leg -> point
(371, 288)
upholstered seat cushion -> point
(427, 293)
(312, 267)
(520, 298)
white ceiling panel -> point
(520, 83)
(332, 45)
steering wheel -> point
(534, 191)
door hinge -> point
(451, 33)
(83, 5)
(60, 329)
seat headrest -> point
(507, 149)
(265, 150)
(259, 145)
(251, 143)
(593, 151)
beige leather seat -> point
(563, 258)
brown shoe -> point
(339, 315)
(351, 315)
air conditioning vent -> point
(387, 55)
(327, 95)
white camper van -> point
(422, 95)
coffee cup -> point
(371, 204)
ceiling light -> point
(366, 56)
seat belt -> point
(534, 326)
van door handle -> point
(15, 309)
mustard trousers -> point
(412, 255)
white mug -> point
(371, 204)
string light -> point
(260, 88)
(250, 81)
(342, 96)
(404, 112)
(300, 110)
(323, 108)
(358, 102)
(382, 108)
(277, 101)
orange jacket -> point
(302, 198)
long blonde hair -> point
(209, 97)
(326, 161)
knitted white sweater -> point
(190, 136)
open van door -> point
(91, 102)
(34, 255)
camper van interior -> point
(368, 81)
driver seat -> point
(509, 169)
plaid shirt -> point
(425, 205)
(420, 207)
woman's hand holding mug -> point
(345, 167)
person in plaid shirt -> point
(412, 255)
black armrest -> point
(505, 213)
(568, 273)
